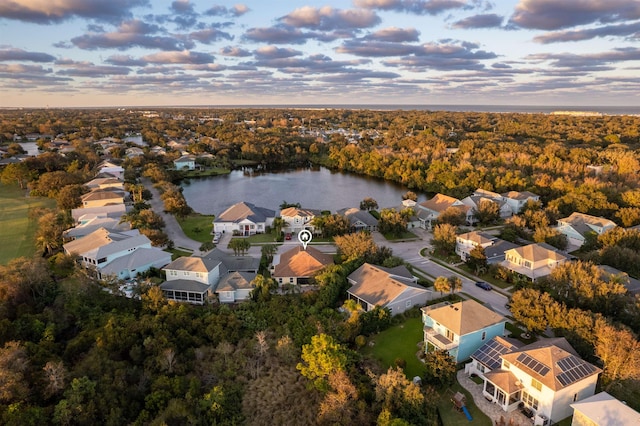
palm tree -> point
(455, 284)
(442, 284)
(277, 225)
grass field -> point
(451, 417)
(197, 227)
(17, 229)
(399, 341)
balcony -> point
(438, 340)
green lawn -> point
(197, 227)
(399, 341)
(17, 229)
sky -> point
(93, 53)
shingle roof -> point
(539, 251)
(101, 195)
(139, 258)
(516, 195)
(298, 262)
(577, 219)
(193, 264)
(185, 285)
(477, 237)
(379, 287)
(464, 317)
(295, 211)
(243, 210)
(439, 203)
(605, 410)
(236, 281)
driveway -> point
(171, 225)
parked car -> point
(484, 286)
(216, 237)
(287, 236)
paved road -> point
(172, 227)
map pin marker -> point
(305, 237)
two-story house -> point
(360, 220)
(244, 219)
(297, 266)
(578, 225)
(534, 260)
(99, 198)
(460, 328)
(603, 409)
(185, 162)
(517, 200)
(296, 219)
(429, 211)
(393, 288)
(474, 202)
(470, 240)
(544, 377)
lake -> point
(313, 188)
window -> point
(450, 335)
(102, 260)
(408, 304)
(575, 397)
(174, 273)
(484, 335)
(291, 280)
(280, 280)
(529, 400)
(198, 274)
(536, 384)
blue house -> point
(460, 328)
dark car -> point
(484, 286)
(287, 236)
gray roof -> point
(236, 281)
(108, 223)
(113, 210)
(498, 248)
(235, 263)
(185, 285)
(139, 258)
(118, 246)
(243, 210)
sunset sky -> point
(74, 53)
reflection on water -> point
(315, 188)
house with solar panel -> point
(460, 328)
(542, 379)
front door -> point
(501, 397)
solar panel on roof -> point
(489, 353)
(573, 369)
(533, 364)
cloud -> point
(23, 55)
(235, 11)
(277, 35)
(417, 7)
(56, 11)
(236, 52)
(366, 48)
(184, 57)
(133, 33)
(395, 35)
(592, 61)
(273, 52)
(24, 69)
(444, 56)
(93, 71)
(328, 18)
(622, 30)
(125, 61)
(210, 35)
(490, 20)
(555, 15)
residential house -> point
(393, 288)
(296, 219)
(185, 162)
(460, 328)
(244, 219)
(429, 211)
(603, 409)
(112, 169)
(360, 220)
(84, 215)
(534, 260)
(609, 273)
(474, 201)
(100, 198)
(413, 220)
(297, 266)
(100, 248)
(517, 200)
(544, 378)
(105, 183)
(494, 247)
(578, 225)
(133, 152)
(94, 223)
(235, 287)
(194, 279)
(466, 242)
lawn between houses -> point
(401, 341)
(17, 228)
(197, 226)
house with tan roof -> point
(543, 378)
(517, 200)
(393, 288)
(460, 328)
(185, 162)
(603, 409)
(235, 287)
(244, 219)
(101, 198)
(429, 211)
(470, 240)
(534, 260)
(297, 266)
(296, 219)
(578, 225)
(474, 201)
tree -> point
(16, 172)
(444, 238)
(402, 398)
(358, 245)
(619, 351)
(13, 365)
(488, 212)
(268, 251)
(477, 260)
(410, 195)
(69, 196)
(368, 204)
(452, 216)
(320, 358)
(442, 285)
(51, 225)
(240, 246)
(277, 225)
(285, 205)
(335, 224)
(455, 284)
(441, 367)
(392, 222)
(263, 286)
(528, 308)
